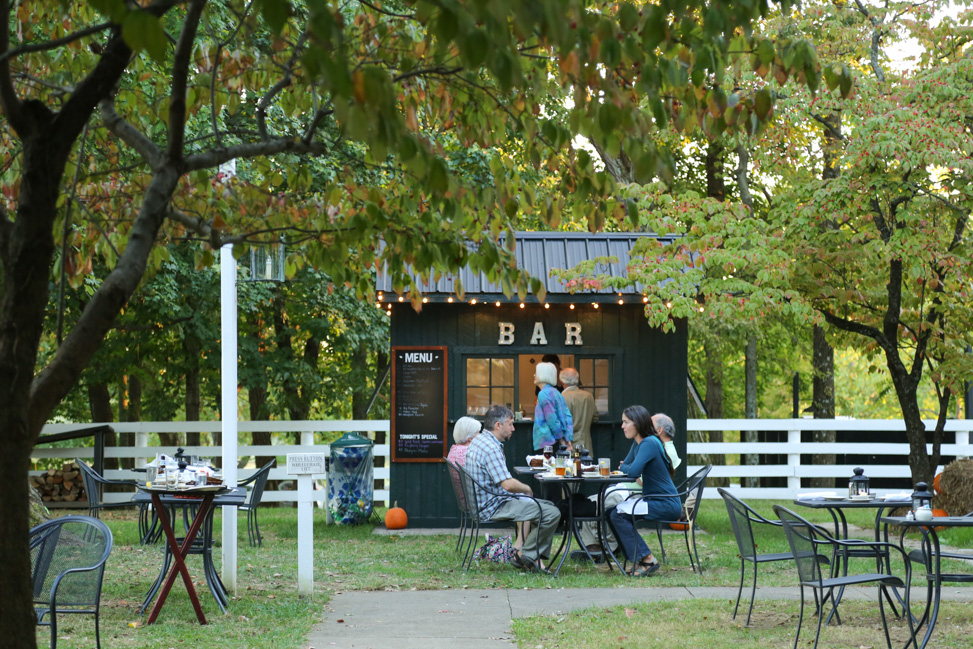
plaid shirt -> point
(487, 465)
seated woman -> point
(464, 430)
(647, 460)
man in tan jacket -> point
(582, 407)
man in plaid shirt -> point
(503, 498)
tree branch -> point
(130, 135)
(277, 87)
(58, 42)
(180, 78)
(216, 157)
(54, 382)
(9, 102)
(387, 13)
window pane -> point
(585, 372)
(503, 371)
(601, 371)
(504, 396)
(601, 400)
(477, 401)
(478, 371)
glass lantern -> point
(858, 484)
(921, 497)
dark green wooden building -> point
(492, 343)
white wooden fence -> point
(142, 452)
(793, 448)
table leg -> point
(934, 580)
(179, 556)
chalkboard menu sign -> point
(418, 404)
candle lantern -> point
(267, 262)
(858, 484)
(921, 497)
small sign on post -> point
(304, 465)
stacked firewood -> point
(60, 485)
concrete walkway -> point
(481, 619)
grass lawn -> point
(268, 613)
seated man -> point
(486, 464)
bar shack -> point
(457, 357)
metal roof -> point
(540, 252)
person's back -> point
(581, 405)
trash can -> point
(351, 479)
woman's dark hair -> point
(642, 420)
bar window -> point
(489, 381)
(595, 373)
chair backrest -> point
(476, 494)
(804, 538)
(92, 487)
(67, 559)
(742, 523)
(694, 491)
(259, 481)
(457, 481)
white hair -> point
(465, 429)
(546, 373)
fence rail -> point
(794, 470)
(734, 469)
(142, 452)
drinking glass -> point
(151, 475)
(548, 452)
(604, 466)
(559, 466)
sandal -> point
(646, 569)
(523, 563)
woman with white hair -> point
(464, 430)
(552, 418)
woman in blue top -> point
(552, 419)
(648, 462)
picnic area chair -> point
(92, 489)
(256, 493)
(465, 516)
(690, 492)
(809, 543)
(67, 564)
(742, 520)
(471, 489)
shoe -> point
(646, 569)
(523, 563)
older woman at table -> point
(464, 430)
(553, 423)
(647, 460)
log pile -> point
(60, 485)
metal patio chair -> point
(471, 488)
(67, 563)
(258, 481)
(689, 490)
(465, 517)
(809, 543)
(742, 520)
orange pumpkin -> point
(935, 483)
(396, 518)
(939, 513)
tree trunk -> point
(714, 403)
(99, 403)
(191, 349)
(259, 412)
(750, 398)
(360, 392)
(822, 402)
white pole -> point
(794, 460)
(228, 334)
(305, 537)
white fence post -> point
(794, 460)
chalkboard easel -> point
(418, 404)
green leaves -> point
(143, 31)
